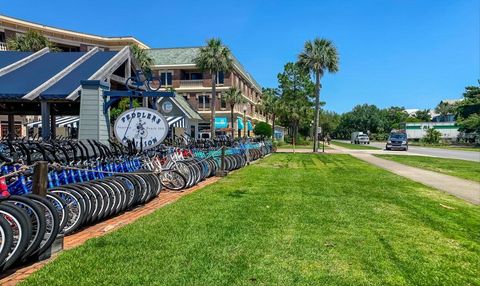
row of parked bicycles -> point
(89, 181)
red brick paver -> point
(15, 276)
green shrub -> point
(263, 129)
(298, 141)
(432, 136)
(379, 136)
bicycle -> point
(151, 83)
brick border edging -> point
(17, 275)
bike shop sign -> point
(146, 126)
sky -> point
(410, 53)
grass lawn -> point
(459, 168)
(451, 147)
(354, 146)
(291, 219)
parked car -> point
(397, 141)
(359, 138)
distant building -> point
(66, 40)
(418, 130)
(445, 124)
(176, 68)
(445, 118)
(411, 111)
(174, 65)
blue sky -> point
(392, 52)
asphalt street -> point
(437, 152)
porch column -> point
(11, 127)
(94, 123)
(45, 110)
(53, 126)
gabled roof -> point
(184, 106)
(186, 55)
(46, 75)
(173, 56)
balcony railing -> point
(3, 46)
(191, 83)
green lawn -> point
(307, 146)
(291, 219)
(451, 147)
(459, 168)
(354, 146)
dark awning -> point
(53, 75)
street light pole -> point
(245, 121)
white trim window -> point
(166, 78)
(204, 102)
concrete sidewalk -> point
(464, 189)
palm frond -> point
(214, 57)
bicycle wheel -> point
(61, 208)
(52, 221)
(153, 84)
(37, 218)
(20, 229)
(173, 180)
(6, 239)
(76, 208)
(131, 81)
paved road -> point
(435, 152)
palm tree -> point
(270, 105)
(319, 56)
(144, 60)
(233, 97)
(32, 41)
(214, 58)
(444, 109)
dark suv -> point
(397, 141)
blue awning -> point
(10, 57)
(249, 125)
(240, 123)
(20, 81)
(68, 83)
(221, 122)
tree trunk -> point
(231, 118)
(294, 131)
(273, 127)
(212, 105)
(317, 111)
